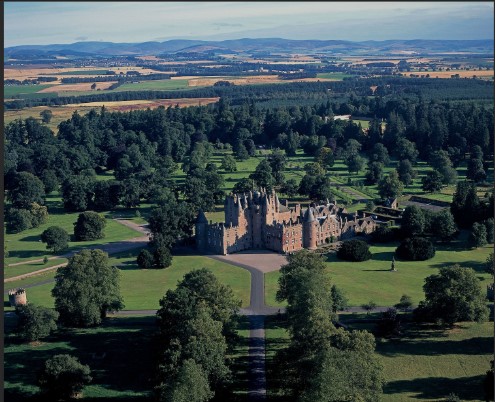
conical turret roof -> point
(201, 217)
(308, 216)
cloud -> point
(226, 24)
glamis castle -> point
(258, 220)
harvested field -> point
(257, 79)
(449, 74)
(32, 73)
(83, 86)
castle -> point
(258, 220)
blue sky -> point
(40, 23)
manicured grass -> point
(27, 245)
(426, 363)
(429, 364)
(334, 76)
(154, 85)
(15, 90)
(16, 270)
(143, 289)
(123, 374)
(372, 280)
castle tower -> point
(309, 229)
(17, 297)
(201, 231)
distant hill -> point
(252, 45)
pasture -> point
(12, 91)
(426, 363)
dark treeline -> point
(391, 87)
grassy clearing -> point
(120, 376)
(372, 280)
(10, 91)
(424, 364)
(27, 245)
(142, 289)
(16, 270)
(334, 76)
(153, 85)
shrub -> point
(145, 259)
(389, 324)
(89, 226)
(56, 238)
(384, 234)
(354, 250)
(35, 322)
(415, 249)
(477, 237)
(63, 377)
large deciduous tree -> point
(35, 322)
(89, 226)
(56, 238)
(87, 289)
(452, 295)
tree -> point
(228, 164)
(244, 185)
(325, 157)
(89, 226)
(339, 300)
(35, 322)
(190, 385)
(453, 295)
(489, 225)
(346, 375)
(63, 377)
(145, 259)
(27, 188)
(379, 153)
(477, 237)
(406, 149)
(290, 188)
(375, 172)
(432, 182)
(441, 162)
(161, 253)
(50, 180)
(46, 116)
(489, 265)
(93, 86)
(444, 225)
(56, 238)
(355, 163)
(390, 186)
(405, 303)
(86, 289)
(18, 220)
(354, 250)
(370, 306)
(475, 170)
(406, 172)
(389, 323)
(413, 221)
(39, 214)
(465, 206)
(262, 175)
(415, 249)
(77, 193)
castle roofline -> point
(201, 217)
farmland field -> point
(153, 85)
(10, 91)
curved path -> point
(110, 248)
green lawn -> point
(424, 364)
(334, 76)
(372, 280)
(142, 289)
(154, 85)
(27, 245)
(10, 272)
(15, 90)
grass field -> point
(372, 280)
(424, 364)
(334, 76)
(153, 85)
(85, 72)
(10, 91)
(142, 289)
(27, 245)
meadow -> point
(373, 280)
(126, 371)
(426, 363)
(10, 91)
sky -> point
(41, 23)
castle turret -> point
(17, 297)
(309, 229)
(201, 231)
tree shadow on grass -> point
(466, 388)
(28, 254)
(383, 256)
(478, 266)
(31, 238)
(128, 266)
